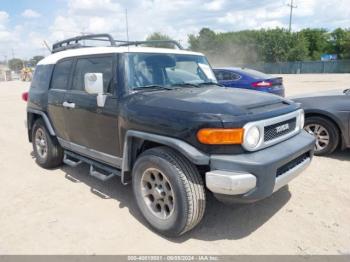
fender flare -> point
(45, 118)
(193, 154)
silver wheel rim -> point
(321, 134)
(41, 143)
(157, 193)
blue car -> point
(249, 79)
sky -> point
(25, 24)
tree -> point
(317, 42)
(15, 64)
(35, 60)
(339, 43)
(299, 48)
(157, 36)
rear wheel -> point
(48, 153)
(325, 132)
(169, 191)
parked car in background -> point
(249, 79)
(328, 119)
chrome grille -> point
(280, 129)
(274, 130)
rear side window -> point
(102, 65)
(41, 78)
(61, 73)
(226, 76)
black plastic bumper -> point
(264, 165)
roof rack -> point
(78, 42)
(151, 42)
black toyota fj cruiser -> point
(157, 118)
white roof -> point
(52, 59)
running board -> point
(71, 161)
(97, 169)
(101, 174)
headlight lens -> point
(302, 119)
(252, 137)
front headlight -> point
(252, 137)
(302, 119)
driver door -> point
(93, 130)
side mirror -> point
(94, 85)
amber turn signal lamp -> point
(220, 136)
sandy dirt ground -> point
(64, 211)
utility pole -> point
(292, 6)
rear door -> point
(93, 130)
(56, 96)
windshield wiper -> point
(185, 85)
(210, 83)
(152, 87)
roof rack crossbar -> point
(75, 42)
(150, 42)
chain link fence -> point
(303, 67)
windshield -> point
(148, 70)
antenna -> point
(127, 25)
(47, 46)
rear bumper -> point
(253, 176)
(276, 91)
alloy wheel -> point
(157, 193)
(41, 143)
(321, 134)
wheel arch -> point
(136, 142)
(330, 118)
(32, 116)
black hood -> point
(211, 100)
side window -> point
(235, 76)
(60, 78)
(102, 65)
(219, 75)
(41, 78)
(227, 76)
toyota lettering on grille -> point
(282, 128)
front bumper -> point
(256, 175)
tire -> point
(184, 194)
(326, 129)
(54, 152)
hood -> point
(337, 92)
(211, 100)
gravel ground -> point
(64, 211)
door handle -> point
(68, 105)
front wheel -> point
(325, 132)
(169, 191)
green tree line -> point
(16, 64)
(267, 45)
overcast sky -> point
(24, 24)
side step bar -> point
(71, 161)
(98, 170)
